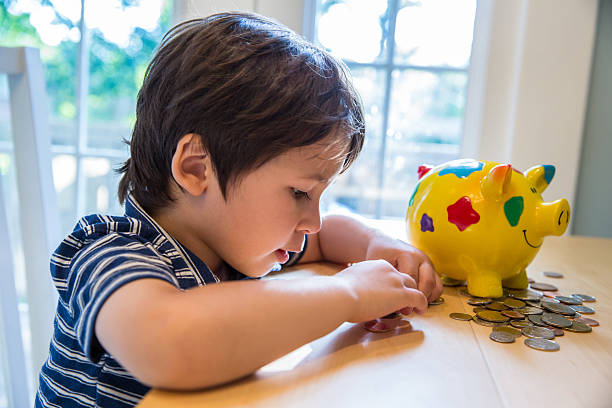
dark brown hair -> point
(250, 87)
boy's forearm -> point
(341, 239)
(230, 330)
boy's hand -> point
(379, 289)
(409, 260)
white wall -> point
(528, 87)
(288, 12)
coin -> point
(558, 308)
(530, 280)
(376, 326)
(587, 320)
(558, 332)
(513, 314)
(543, 286)
(529, 310)
(579, 327)
(478, 301)
(501, 337)
(537, 320)
(496, 306)
(492, 316)
(438, 301)
(549, 294)
(556, 320)
(446, 281)
(569, 300)
(514, 303)
(551, 274)
(527, 295)
(539, 332)
(478, 309)
(542, 344)
(482, 322)
(583, 309)
(584, 298)
(520, 323)
(460, 316)
(464, 292)
(507, 329)
(394, 315)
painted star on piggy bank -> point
(483, 222)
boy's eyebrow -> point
(316, 177)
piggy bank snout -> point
(555, 217)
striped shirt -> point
(102, 254)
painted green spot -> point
(513, 208)
(416, 188)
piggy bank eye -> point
(533, 190)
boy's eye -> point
(300, 194)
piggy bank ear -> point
(423, 170)
(496, 182)
(540, 176)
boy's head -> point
(250, 88)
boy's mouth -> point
(282, 255)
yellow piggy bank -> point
(483, 222)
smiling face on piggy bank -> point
(483, 222)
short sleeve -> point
(98, 270)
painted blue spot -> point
(463, 168)
(549, 172)
(426, 223)
(416, 188)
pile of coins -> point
(538, 313)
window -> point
(409, 62)
(91, 81)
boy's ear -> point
(191, 165)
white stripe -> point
(77, 375)
(118, 394)
(64, 392)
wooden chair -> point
(39, 224)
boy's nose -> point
(311, 222)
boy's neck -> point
(174, 222)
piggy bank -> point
(483, 222)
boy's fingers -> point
(417, 300)
(427, 280)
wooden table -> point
(441, 362)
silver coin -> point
(482, 322)
(558, 308)
(583, 309)
(527, 295)
(501, 337)
(446, 281)
(569, 300)
(543, 286)
(584, 298)
(542, 344)
(579, 327)
(551, 274)
(529, 310)
(536, 320)
(538, 332)
(556, 320)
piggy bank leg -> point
(519, 281)
(485, 284)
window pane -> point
(5, 110)
(101, 185)
(435, 32)
(354, 29)
(357, 190)
(123, 39)
(55, 33)
(64, 180)
(425, 125)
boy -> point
(241, 125)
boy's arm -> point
(213, 334)
(346, 240)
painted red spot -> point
(423, 170)
(462, 214)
